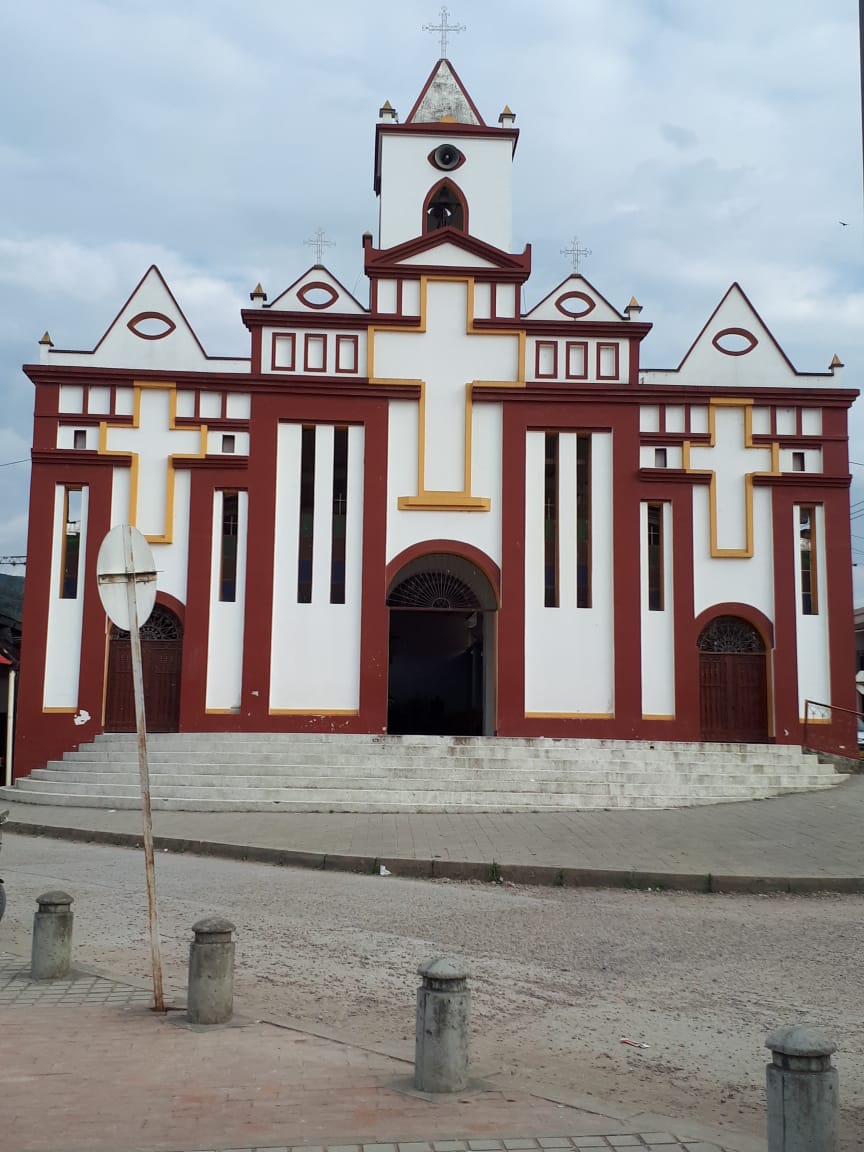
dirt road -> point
(559, 977)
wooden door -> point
(161, 659)
(733, 686)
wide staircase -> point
(290, 772)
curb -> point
(490, 872)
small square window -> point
(228, 443)
(797, 461)
(659, 457)
(79, 439)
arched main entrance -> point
(442, 649)
(161, 659)
(733, 685)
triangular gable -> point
(150, 332)
(575, 299)
(449, 248)
(444, 98)
(750, 348)
(316, 291)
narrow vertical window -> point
(307, 515)
(583, 521)
(807, 553)
(797, 461)
(340, 516)
(79, 440)
(228, 547)
(655, 558)
(71, 544)
(550, 523)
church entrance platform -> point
(318, 772)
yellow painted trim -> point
(569, 715)
(74, 712)
(714, 403)
(427, 500)
(222, 711)
(314, 712)
(105, 426)
(816, 720)
(657, 716)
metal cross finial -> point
(319, 243)
(575, 252)
(444, 28)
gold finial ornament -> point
(836, 362)
(47, 341)
(258, 293)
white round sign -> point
(125, 557)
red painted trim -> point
(747, 612)
(132, 325)
(289, 340)
(315, 286)
(590, 305)
(272, 307)
(579, 280)
(743, 332)
(446, 182)
(583, 375)
(606, 375)
(453, 167)
(539, 345)
(787, 729)
(307, 341)
(388, 261)
(447, 548)
(354, 343)
(710, 320)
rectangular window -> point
(340, 516)
(307, 515)
(655, 558)
(228, 443)
(79, 439)
(583, 521)
(284, 349)
(577, 360)
(546, 359)
(807, 553)
(71, 544)
(228, 547)
(797, 461)
(659, 457)
(607, 361)
(315, 354)
(550, 522)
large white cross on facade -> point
(445, 357)
(731, 460)
(154, 442)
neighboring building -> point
(440, 513)
(11, 611)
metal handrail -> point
(821, 704)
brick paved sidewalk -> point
(89, 1068)
(796, 843)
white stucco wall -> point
(65, 617)
(718, 580)
(814, 676)
(225, 634)
(658, 627)
(315, 656)
(569, 653)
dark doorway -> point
(733, 686)
(441, 681)
(161, 658)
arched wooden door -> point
(733, 684)
(161, 659)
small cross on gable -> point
(319, 243)
(575, 252)
(154, 443)
(443, 28)
(731, 460)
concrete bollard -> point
(210, 996)
(802, 1088)
(51, 952)
(441, 1040)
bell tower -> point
(444, 167)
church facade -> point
(440, 512)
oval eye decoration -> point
(317, 294)
(575, 304)
(446, 157)
(734, 341)
(151, 325)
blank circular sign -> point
(124, 556)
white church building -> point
(430, 511)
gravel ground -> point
(559, 977)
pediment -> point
(575, 299)
(446, 248)
(317, 292)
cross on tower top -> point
(319, 243)
(575, 252)
(443, 28)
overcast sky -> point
(687, 143)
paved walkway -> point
(793, 843)
(88, 1067)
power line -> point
(9, 463)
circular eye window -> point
(446, 157)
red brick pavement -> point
(100, 1079)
